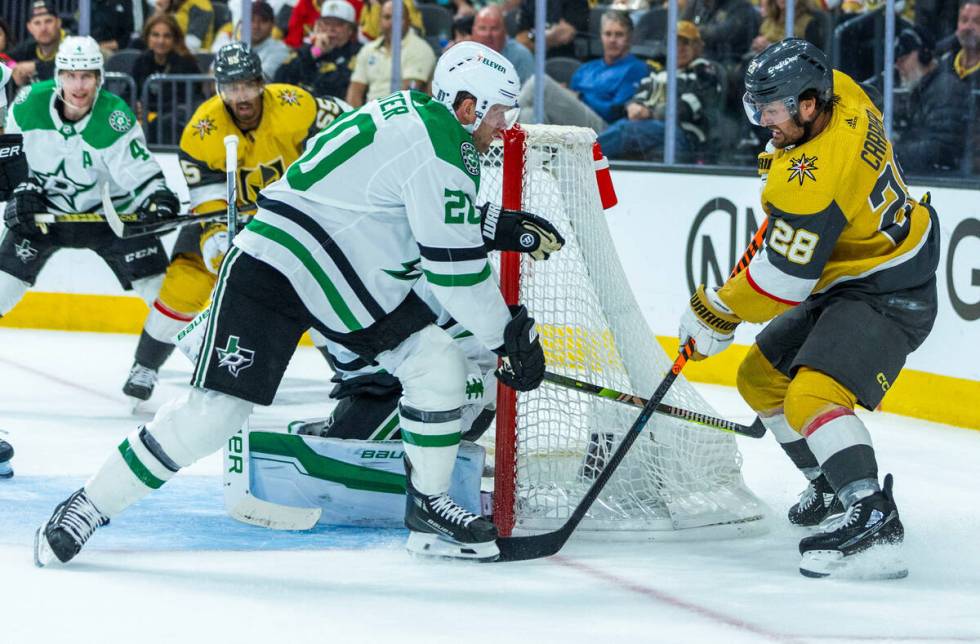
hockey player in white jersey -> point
(384, 189)
(77, 137)
(13, 168)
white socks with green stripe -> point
(183, 431)
(431, 439)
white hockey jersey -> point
(381, 198)
(73, 160)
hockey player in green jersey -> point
(77, 137)
(389, 186)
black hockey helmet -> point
(237, 62)
(782, 72)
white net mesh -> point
(677, 475)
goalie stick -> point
(545, 545)
(755, 430)
(239, 500)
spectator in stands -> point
(598, 88)
(372, 71)
(112, 24)
(489, 29)
(166, 53)
(7, 40)
(930, 137)
(727, 28)
(964, 59)
(370, 18)
(304, 15)
(324, 66)
(564, 19)
(773, 27)
(196, 20)
(699, 95)
(936, 17)
(35, 56)
(272, 51)
(462, 30)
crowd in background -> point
(605, 63)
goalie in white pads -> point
(386, 187)
(78, 137)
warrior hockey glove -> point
(523, 358)
(13, 164)
(519, 231)
(26, 201)
(162, 205)
(709, 322)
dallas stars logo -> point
(59, 184)
(802, 168)
(288, 97)
(235, 357)
(471, 158)
(203, 127)
(25, 252)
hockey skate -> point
(6, 454)
(71, 525)
(140, 383)
(442, 529)
(817, 502)
(862, 543)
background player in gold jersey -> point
(847, 278)
(272, 123)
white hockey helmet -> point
(78, 53)
(476, 69)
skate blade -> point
(432, 546)
(879, 562)
(5, 470)
(43, 555)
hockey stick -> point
(545, 545)
(239, 500)
(130, 226)
(753, 248)
(755, 430)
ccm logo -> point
(12, 151)
(140, 254)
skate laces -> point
(79, 518)
(142, 376)
(808, 496)
(843, 520)
(452, 512)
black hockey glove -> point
(162, 205)
(26, 201)
(519, 231)
(13, 164)
(523, 357)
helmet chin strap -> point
(63, 97)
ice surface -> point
(175, 568)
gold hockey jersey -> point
(840, 216)
(290, 115)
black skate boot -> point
(71, 525)
(863, 543)
(441, 528)
(6, 454)
(140, 383)
(817, 502)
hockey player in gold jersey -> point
(847, 278)
(272, 123)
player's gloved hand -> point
(26, 201)
(523, 357)
(13, 164)
(519, 231)
(709, 322)
(162, 205)
(214, 245)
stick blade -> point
(111, 216)
(533, 547)
(276, 517)
(756, 429)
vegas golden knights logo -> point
(254, 179)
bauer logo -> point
(718, 235)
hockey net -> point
(679, 478)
